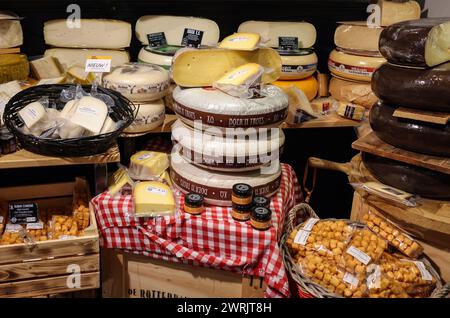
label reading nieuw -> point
(287, 43)
(23, 212)
(98, 64)
(157, 40)
(192, 38)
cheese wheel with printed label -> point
(298, 64)
(356, 36)
(150, 115)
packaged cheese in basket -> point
(13, 234)
(393, 234)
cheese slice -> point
(153, 198)
(32, 113)
(271, 31)
(13, 67)
(10, 89)
(150, 115)
(213, 64)
(298, 64)
(90, 113)
(173, 28)
(393, 11)
(241, 41)
(10, 34)
(71, 57)
(359, 93)
(240, 81)
(93, 33)
(309, 86)
(353, 67)
(76, 74)
(46, 67)
(148, 165)
(356, 36)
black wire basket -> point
(123, 109)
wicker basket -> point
(309, 289)
(123, 110)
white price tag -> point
(359, 255)
(98, 64)
(157, 191)
(35, 226)
(309, 224)
(13, 227)
(351, 279)
(301, 237)
(423, 271)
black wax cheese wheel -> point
(412, 135)
(425, 89)
(413, 179)
(422, 42)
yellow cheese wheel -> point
(308, 85)
(13, 67)
(297, 65)
(353, 67)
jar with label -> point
(7, 142)
(193, 203)
(242, 194)
(261, 201)
(241, 213)
(261, 218)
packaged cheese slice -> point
(32, 113)
(242, 81)
(92, 33)
(174, 27)
(398, 11)
(150, 115)
(120, 182)
(10, 34)
(148, 165)
(356, 36)
(213, 64)
(241, 41)
(153, 198)
(90, 113)
(71, 57)
(271, 32)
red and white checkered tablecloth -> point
(212, 239)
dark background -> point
(333, 195)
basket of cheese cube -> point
(68, 120)
(331, 258)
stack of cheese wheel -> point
(298, 64)
(145, 85)
(13, 66)
(72, 45)
(417, 78)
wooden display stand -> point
(54, 266)
(128, 275)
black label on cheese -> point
(192, 38)
(23, 213)
(156, 40)
(287, 43)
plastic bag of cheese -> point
(243, 82)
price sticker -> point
(98, 64)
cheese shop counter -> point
(211, 239)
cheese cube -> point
(153, 198)
(241, 41)
(148, 165)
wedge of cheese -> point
(398, 11)
(148, 165)
(241, 41)
(90, 113)
(153, 198)
(10, 34)
(93, 33)
(46, 67)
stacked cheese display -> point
(222, 107)
(294, 42)
(414, 93)
(71, 45)
(145, 85)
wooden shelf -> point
(373, 145)
(26, 159)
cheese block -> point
(398, 11)
(356, 36)
(93, 33)
(242, 81)
(214, 108)
(138, 81)
(76, 74)
(241, 41)
(271, 31)
(353, 67)
(32, 114)
(216, 187)
(71, 57)
(174, 26)
(425, 89)
(148, 165)
(212, 64)
(13, 67)
(150, 115)
(90, 113)
(153, 198)
(298, 64)
(409, 178)
(423, 42)
(10, 34)
(46, 67)
(159, 56)
(359, 93)
(309, 86)
(412, 135)
(226, 153)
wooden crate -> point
(49, 267)
(128, 275)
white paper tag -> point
(351, 279)
(67, 237)
(86, 110)
(157, 191)
(98, 64)
(309, 224)
(35, 226)
(359, 255)
(426, 275)
(13, 227)
(146, 156)
(301, 237)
